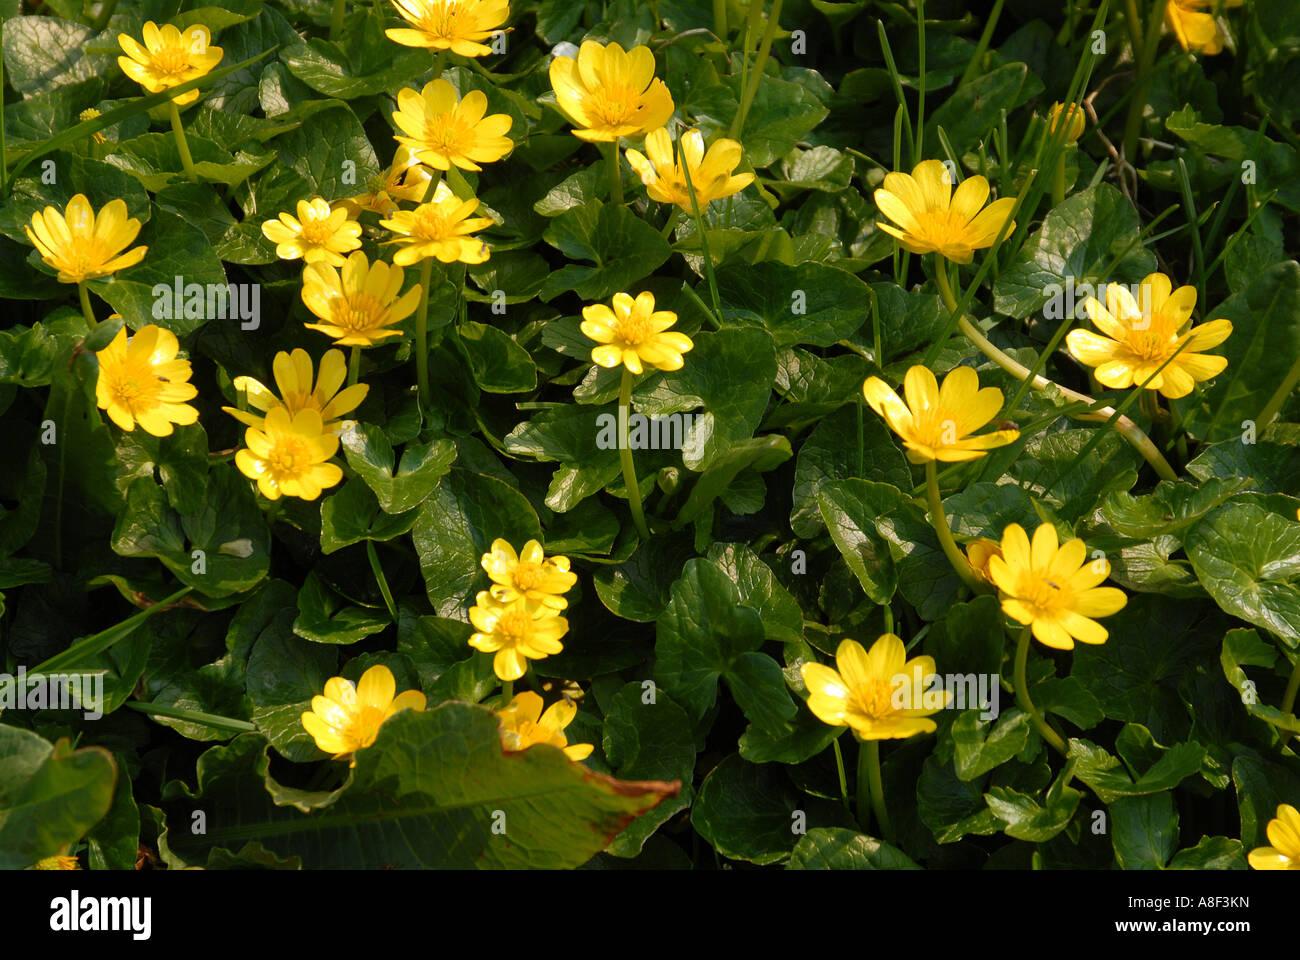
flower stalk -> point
(1022, 695)
(84, 295)
(940, 524)
(625, 455)
(1130, 430)
(182, 145)
(871, 789)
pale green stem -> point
(380, 579)
(336, 18)
(1130, 430)
(1150, 43)
(422, 336)
(1292, 689)
(1058, 181)
(869, 770)
(1280, 396)
(614, 172)
(354, 365)
(182, 145)
(756, 75)
(839, 768)
(193, 716)
(625, 455)
(1022, 695)
(84, 295)
(720, 19)
(507, 691)
(940, 524)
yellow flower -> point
(609, 93)
(456, 25)
(1074, 122)
(634, 333)
(871, 691)
(1284, 835)
(529, 574)
(169, 58)
(1054, 588)
(287, 455)
(516, 632)
(90, 113)
(293, 377)
(60, 861)
(936, 421)
(523, 724)
(444, 129)
(936, 220)
(978, 552)
(1195, 28)
(141, 381)
(405, 179)
(360, 307)
(711, 173)
(347, 718)
(319, 234)
(1141, 337)
(82, 246)
(440, 228)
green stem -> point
(1058, 181)
(863, 804)
(422, 336)
(674, 218)
(614, 171)
(1130, 430)
(1280, 395)
(381, 579)
(354, 365)
(625, 455)
(507, 691)
(839, 768)
(940, 524)
(336, 18)
(63, 473)
(194, 716)
(756, 74)
(920, 90)
(698, 215)
(182, 145)
(99, 642)
(1134, 22)
(4, 159)
(876, 786)
(1292, 689)
(439, 63)
(101, 21)
(982, 46)
(1150, 43)
(1022, 696)
(84, 295)
(720, 19)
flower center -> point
(942, 227)
(443, 20)
(171, 61)
(1042, 593)
(528, 575)
(84, 254)
(876, 700)
(614, 106)
(936, 427)
(445, 133)
(134, 386)
(366, 724)
(317, 231)
(289, 456)
(358, 312)
(1151, 340)
(515, 624)
(430, 223)
(635, 329)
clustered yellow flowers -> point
(878, 694)
(518, 619)
(932, 218)
(347, 717)
(1150, 342)
(293, 377)
(169, 58)
(1283, 853)
(634, 334)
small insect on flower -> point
(936, 422)
(142, 382)
(523, 724)
(1284, 839)
(319, 234)
(711, 173)
(456, 25)
(634, 334)
(293, 377)
(347, 718)
(931, 218)
(83, 246)
(443, 129)
(528, 574)
(1142, 338)
(609, 93)
(1054, 588)
(169, 58)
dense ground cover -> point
(664, 434)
